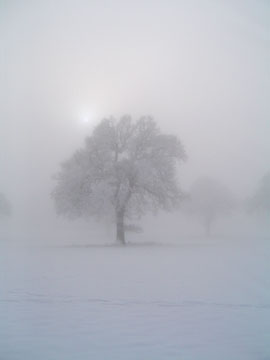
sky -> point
(200, 68)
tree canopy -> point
(261, 199)
(209, 200)
(125, 168)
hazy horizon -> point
(201, 69)
(188, 283)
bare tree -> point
(261, 199)
(208, 201)
(125, 168)
(5, 207)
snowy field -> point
(194, 301)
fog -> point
(201, 70)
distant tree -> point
(261, 199)
(5, 208)
(209, 200)
(125, 168)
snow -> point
(194, 301)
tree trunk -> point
(208, 227)
(120, 231)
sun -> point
(87, 117)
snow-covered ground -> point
(203, 301)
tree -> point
(209, 200)
(125, 168)
(261, 199)
(5, 208)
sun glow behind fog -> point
(87, 117)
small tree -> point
(5, 208)
(124, 169)
(208, 201)
(261, 199)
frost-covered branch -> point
(125, 168)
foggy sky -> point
(201, 68)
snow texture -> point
(187, 302)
